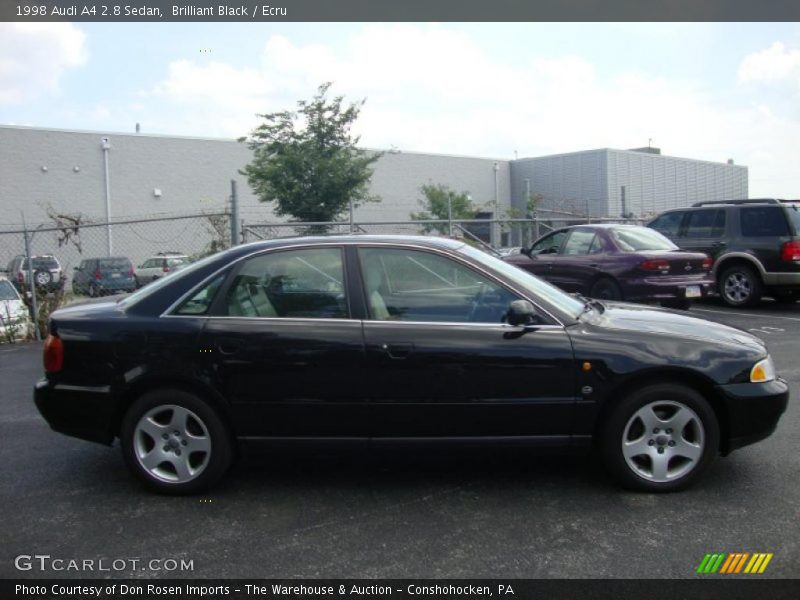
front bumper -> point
(753, 411)
(86, 412)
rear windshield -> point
(638, 239)
(7, 291)
(42, 262)
(793, 210)
(113, 263)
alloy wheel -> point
(663, 441)
(737, 287)
(172, 444)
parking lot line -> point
(738, 314)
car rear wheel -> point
(660, 438)
(175, 443)
(606, 289)
(739, 285)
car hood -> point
(645, 319)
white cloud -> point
(431, 88)
(776, 63)
(34, 56)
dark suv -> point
(755, 245)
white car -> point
(15, 323)
(159, 265)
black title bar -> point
(397, 10)
(710, 588)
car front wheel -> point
(175, 443)
(606, 289)
(660, 438)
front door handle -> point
(398, 351)
(228, 346)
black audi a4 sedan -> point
(397, 340)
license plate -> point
(115, 275)
(693, 291)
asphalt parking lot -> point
(434, 514)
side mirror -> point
(521, 312)
(76, 268)
(525, 251)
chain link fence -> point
(130, 253)
(55, 263)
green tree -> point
(438, 202)
(307, 162)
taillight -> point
(20, 277)
(131, 273)
(166, 269)
(790, 252)
(53, 354)
(98, 275)
(708, 262)
(658, 264)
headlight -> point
(762, 371)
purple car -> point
(619, 262)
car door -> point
(540, 256)
(703, 230)
(440, 361)
(577, 261)
(283, 348)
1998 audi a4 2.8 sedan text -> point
(389, 339)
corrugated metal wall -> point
(654, 183)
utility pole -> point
(236, 232)
(495, 236)
(105, 144)
(32, 283)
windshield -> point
(161, 282)
(7, 291)
(538, 288)
(639, 239)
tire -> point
(605, 288)
(641, 459)
(42, 278)
(740, 286)
(187, 422)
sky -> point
(698, 90)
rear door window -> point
(579, 242)
(763, 221)
(705, 224)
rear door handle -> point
(398, 351)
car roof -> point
(602, 225)
(417, 240)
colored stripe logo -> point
(735, 562)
